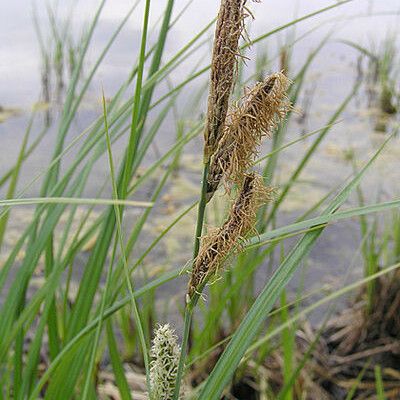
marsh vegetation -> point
(201, 206)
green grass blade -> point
(357, 382)
(14, 178)
(253, 320)
(71, 346)
(73, 201)
(309, 153)
(380, 388)
(319, 221)
(116, 363)
(87, 383)
(67, 116)
(129, 284)
(296, 21)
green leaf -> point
(250, 325)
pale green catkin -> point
(164, 353)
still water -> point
(329, 81)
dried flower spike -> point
(223, 68)
(165, 353)
(219, 242)
(256, 116)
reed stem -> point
(201, 211)
(191, 304)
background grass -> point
(57, 338)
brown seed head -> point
(219, 242)
(256, 116)
(223, 69)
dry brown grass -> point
(353, 343)
(358, 340)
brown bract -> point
(219, 242)
(223, 70)
(256, 116)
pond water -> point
(329, 80)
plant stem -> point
(191, 303)
(201, 211)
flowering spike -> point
(219, 242)
(165, 353)
(258, 113)
(223, 69)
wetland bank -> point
(102, 116)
